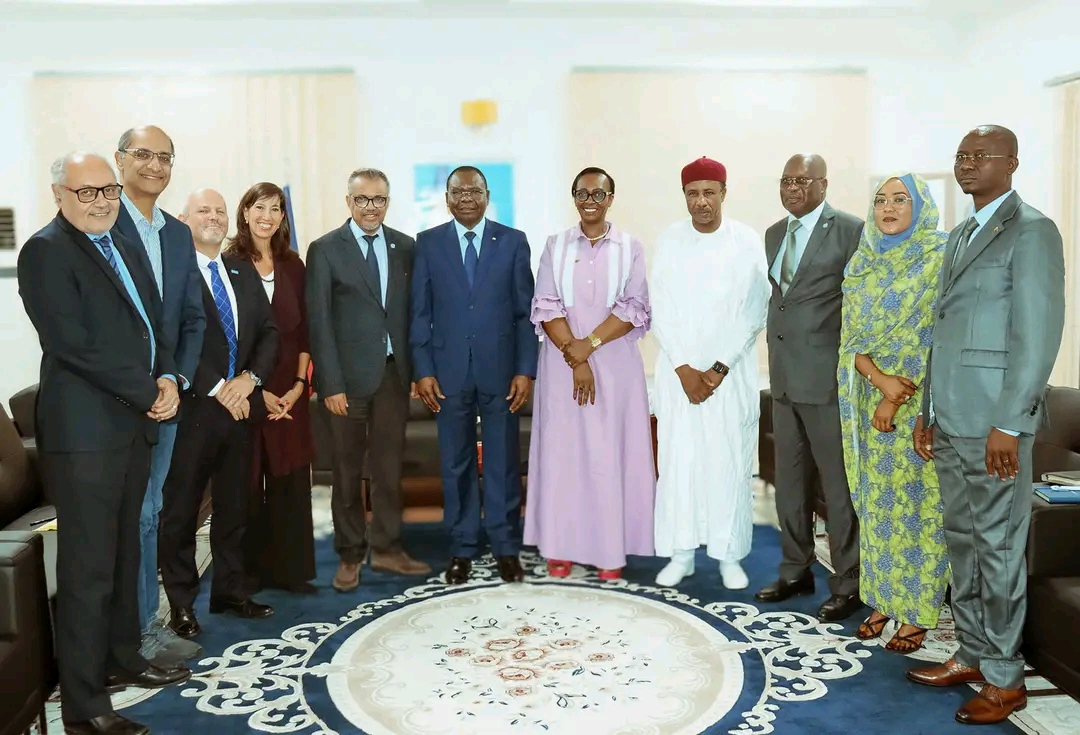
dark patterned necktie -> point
(471, 257)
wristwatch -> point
(594, 341)
(254, 377)
(720, 368)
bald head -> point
(1000, 133)
(205, 214)
(79, 176)
(803, 185)
(130, 136)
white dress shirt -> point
(222, 269)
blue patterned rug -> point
(405, 657)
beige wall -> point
(644, 127)
(230, 131)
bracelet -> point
(302, 381)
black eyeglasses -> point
(598, 196)
(800, 181)
(898, 202)
(474, 194)
(87, 194)
(362, 201)
(141, 154)
(976, 158)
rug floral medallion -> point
(558, 656)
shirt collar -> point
(462, 229)
(810, 219)
(204, 262)
(137, 216)
(983, 215)
(612, 233)
(358, 232)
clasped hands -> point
(896, 390)
(233, 395)
(698, 385)
(168, 401)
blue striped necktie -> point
(105, 243)
(228, 324)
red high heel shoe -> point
(607, 575)
(557, 568)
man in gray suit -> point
(358, 280)
(1001, 312)
(807, 252)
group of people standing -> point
(173, 360)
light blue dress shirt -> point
(133, 293)
(477, 242)
(382, 258)
(150, 234)
(802, 237)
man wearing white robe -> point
(710, 293)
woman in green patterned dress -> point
(890, 287)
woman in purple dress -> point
(591, 475)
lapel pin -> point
(392, 246)
(996, 229)
(825, 226)
(236, 272)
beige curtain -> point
(644, 127)
(230, 131)
(1067, 368)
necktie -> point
(373, 262)
(965, 239)
(110, 255)
(787, 265)
(225, 312)
(471, 257)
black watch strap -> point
(720, 368)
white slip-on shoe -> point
(680, 567)
(733, 576)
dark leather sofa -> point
(28, 672)
(421, 478)
(1052, 627)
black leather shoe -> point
(782, 589)
(241, 608)
(459, 570)
(510, 569)
(183, 622)
(152, 678)
(110, 724)
(838, 607)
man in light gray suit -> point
(358, 284)
(1001, 312)
(807, 252)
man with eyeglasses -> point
(807, 252)
(108, 380)
(1000, 316)
(475, 353)
(358, 321)
(144, 158)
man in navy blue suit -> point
(144, 158)
(474, 353)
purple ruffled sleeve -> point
(546, 304)
(632, 305)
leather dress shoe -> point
(110, 724)
(839, 607)
(183, 622)
(991, 705)
(151, 678)
(782, 589)
(949, 674)
(246, 608)
(510, 569)
(459, 570)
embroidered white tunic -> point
(710, 295)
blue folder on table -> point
(1058, 494)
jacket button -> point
(941, 314)
(470, 307)
(781, 307)
(145, 335)
(780, 337)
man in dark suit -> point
(807, 252)
(358, 322)
(1001, 313)
(214, 442)
(107, 380)
(475, 351)
(144, 158)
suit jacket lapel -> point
(772, 250)
(83, 241)
(354, 257)
(817, 237)
(487, 253)
(993, 227)
(396, 278)
(244, 327)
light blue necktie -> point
(221, 300)
(471, 257)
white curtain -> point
(230, 131)
(1067, 368)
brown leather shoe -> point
(347, 578)
(992, 705)
(510, 569)
(397, 562)
(949, 674)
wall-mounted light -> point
(479, 113)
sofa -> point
(28, 672)
(1052, 627)
(421, 477)
(767, 456)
